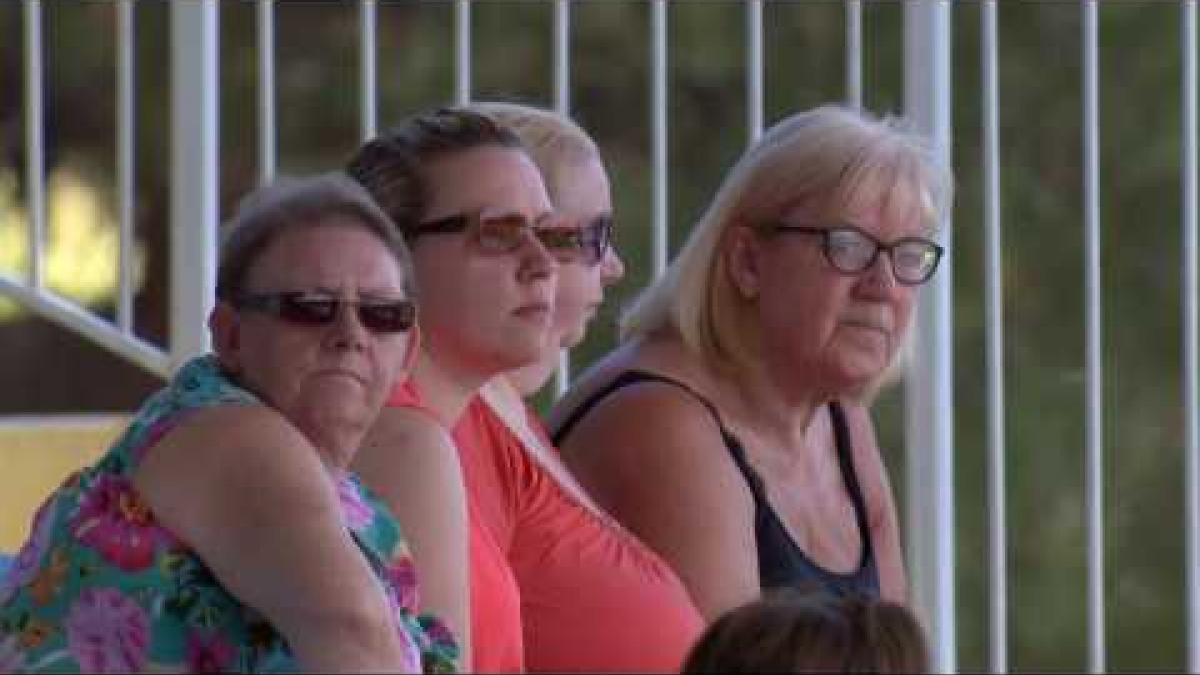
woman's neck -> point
(770, 403)
(530, 379)
(444, 391)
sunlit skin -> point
(330, 380)
(581, 193)
(852, 325)
(484, 313)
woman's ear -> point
(743, 252)
(224, 325)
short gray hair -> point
(288, 204)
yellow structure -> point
(38, 453)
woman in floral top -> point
(222, 532)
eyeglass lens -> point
(390, 316)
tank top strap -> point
(631, 377)
(845, 456)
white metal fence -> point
(930, 546)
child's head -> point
(791, 631)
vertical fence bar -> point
(35, 139)
(754, 69)
(1094, 398)
(930, 388)
(266, 90)
(368, 101)
(658, 51)
(1190, 156)
(194, 185)
(562, 105)
(125, 164)
(854, 78)
(462, 51)
(994, 307)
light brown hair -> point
(790, 631)
(392, 166)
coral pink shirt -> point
(496, 641)
(593, 597)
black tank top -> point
(780, 561)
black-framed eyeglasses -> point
(504, 233)
(849, 250)
(306, 308)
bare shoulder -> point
(654, 434)
(401, 442)
(223, 438)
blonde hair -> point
(824, 159)
(551, 140)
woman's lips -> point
(534, 310)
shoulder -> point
(233, 432)
(397, 427)
(656, 434)
(404, 442)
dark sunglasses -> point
(506, 232)
(313, 309)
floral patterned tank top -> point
(100, 586)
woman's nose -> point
(611, 266)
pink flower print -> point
(27, 563)
(402, 577)
(357, 514)
(115, 521)
(208, 653)
(12, 659)
(107, 632)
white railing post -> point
(997, 549)
(35, 141)
(1093, 339)
(126, 135)
(658, 132)
(266, 90)
(194, 144)
(562, 105)
(754, 70)
(854, 76)
(1190, 154)
(930, 388)
(462, 52)
(368, 100)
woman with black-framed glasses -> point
(223, 530)
(731, 430)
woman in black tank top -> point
(730, 430)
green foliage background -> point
(1042, 207)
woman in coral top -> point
(590, 596)
(473, 209)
